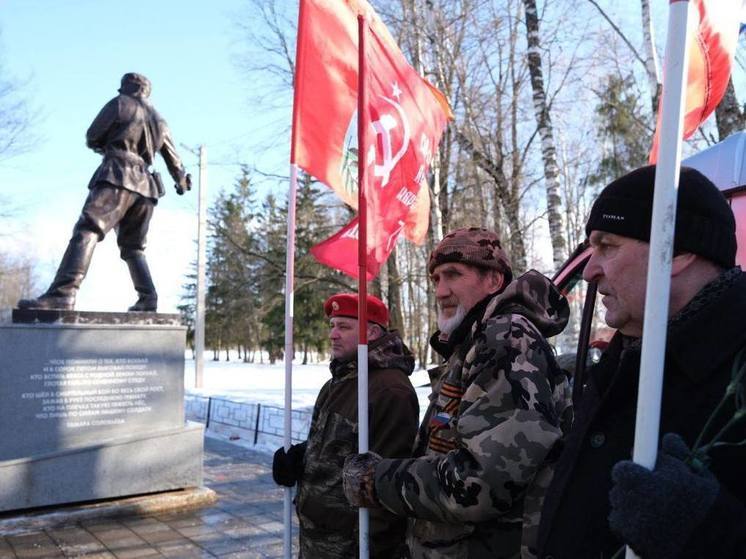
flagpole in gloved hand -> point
(647, 422)
(287, 512)
(289, 294)
(362, 256)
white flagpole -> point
(199, 323)
(289, 294)
(647, 423)
(287, 516)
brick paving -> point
(245, 523)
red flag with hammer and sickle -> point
(405, 119)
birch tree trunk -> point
(544, 125)
(651, 56)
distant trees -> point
(17, 277)
(624, 130)
(229, 292)
(16, 116)
(729, 115)
(549, 107)
(245, 301)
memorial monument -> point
(123, 193)
(92, 404)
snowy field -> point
(265, 384)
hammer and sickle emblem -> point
(383, 128)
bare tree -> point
(648, 59)
(728, 114)
(16, 116)
(544, 122)
(17, 279)
(651, 56)
(507, 97)
(17, 274)
(394, 295)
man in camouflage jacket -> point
(499, 404)
(328, 524)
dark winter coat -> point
(328, 524)
(702, 342)
(498, 406)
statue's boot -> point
(73, 268)
(147, 299)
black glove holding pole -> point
(655, 512)
(287, 466)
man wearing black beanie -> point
(693, 503)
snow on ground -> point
(265, 384)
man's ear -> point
(374, 331)
(498, 280)
(682, 262)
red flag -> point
(326, 101)
(405, 123)
(712, 46)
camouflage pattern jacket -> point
(328, 524)
(498, 407)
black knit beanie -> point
(704, 221)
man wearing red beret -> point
(328, 524)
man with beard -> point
(328, 524)
(499, 404)
(690, 504)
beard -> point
(448, 325)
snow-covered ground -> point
(265, 384)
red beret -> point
(345, 304)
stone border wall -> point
(250, 423)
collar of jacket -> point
(712, 320)
(387, 352)
(445, 348)
(707, 331)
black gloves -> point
(184, 184)
(287, 467)
(656, 512)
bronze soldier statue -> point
(122, 194)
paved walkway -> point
(245, 523)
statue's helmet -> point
(135, 85)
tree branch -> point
(618, 32)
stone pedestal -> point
(92, 407)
